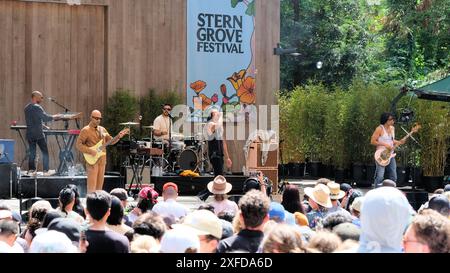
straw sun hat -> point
(219, 185)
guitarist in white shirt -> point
(384, 138)
(90, 136)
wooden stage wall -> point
(81, 54)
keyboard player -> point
(35, 117)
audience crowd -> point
(328, 218)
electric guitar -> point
(383, 155)
(100, 147)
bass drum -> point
(188, 160)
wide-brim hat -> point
(219, 185)
(335, 191)
(320, 194)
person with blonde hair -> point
(144, 244)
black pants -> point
(45, 158)
(217, 163)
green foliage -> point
(433, 136)
(395, 41)
(121, 107)
(151, 106)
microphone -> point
(51, 99)
(170, 116)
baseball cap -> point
(440, 204)
(52, 242)
(170, 184)
(68, 226)
(178, 241)
(276, 210)
(202, 222)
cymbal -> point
(129, 123)
(148, 127)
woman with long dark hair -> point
(291, 199)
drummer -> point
(163, 123)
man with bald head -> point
(35, 116)
(89, 136)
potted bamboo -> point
(434, 136)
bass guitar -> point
(100, 147)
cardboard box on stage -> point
(255, 154)
(7, 150)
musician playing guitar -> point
(384, 139)
(92, 142)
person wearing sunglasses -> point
(90, 136)
(162, 124)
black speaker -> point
(8, 180)
(417, 198)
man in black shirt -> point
(35, 116)
(254, 213)
(100, 239)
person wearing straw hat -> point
(220, 187)
(335, 195)
(320, 202)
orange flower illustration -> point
(205, 101)
(236, 79)
(198, 86)
(246, 91)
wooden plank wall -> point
(82, 54)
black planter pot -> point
(417, 178)
(326, 171)
(402, 176)
(313, 169)
(290, 169)
(370, 173)
(283, 170)
(299, 170)
(432, 183)
(340, 175)
(359, 172)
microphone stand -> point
(170, 138)
(66, 110)
(412, 168)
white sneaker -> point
(31, 173)
(49, 173)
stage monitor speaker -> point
(417, 198)
(8, 180)
(7, 150)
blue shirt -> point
(35, 116)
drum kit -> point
(168, 156)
